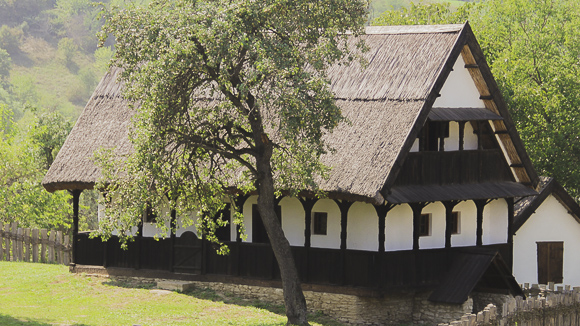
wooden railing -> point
(33, 245)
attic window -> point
(432, 136)
(319, 223)
(425, 225)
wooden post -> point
(382, 211)
(239, 202)
(43, 243)
(480, 205)
(75, 227)
(344, 206)
(58, 246)
(7, 241)
(35, 245)
(308, 205)
(1, 241)
(66, 247)
(26, 242)
(14, 235)
(173, 229)
(449, 205)
(51, 244)
(461, 135)
(19, 244)
(417, 208)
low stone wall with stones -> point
(392, 309)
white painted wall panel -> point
(293, 220)
(436, 239)
(459, 89)
(550, 222)
(495, 222)
(362, 228)
(399, 228)
(467, 225)
(332, 238)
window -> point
(319, 223)
(150, 216)
(550, 262)
(425, 225)
(455, 223)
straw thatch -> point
(386, 104)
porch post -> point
(308, 205)
(239, 202)
(449, 205)
(480, 205)
(417, 208)
(75, 227)
(344, 207)
(382, 211)
(173, 229)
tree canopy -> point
(532, 47)
(232, 97)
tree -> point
(532, 47)
(233, 97)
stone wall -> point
(482, 300)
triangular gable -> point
(527, 206)
(467, 49)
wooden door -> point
(550, 262)
(187, 254)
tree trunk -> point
(293, 296)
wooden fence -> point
(547, 308)
(33, 245)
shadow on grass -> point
(9, 320)
(227, 298)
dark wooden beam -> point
(417, 208)
(382, 211)
(501, 132)
(516, 165)
(486, 97)
(480, 205)
(472, 66)
(75, 227)
(461, 134)
(449, 205)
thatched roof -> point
(387, 103)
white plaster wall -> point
(332, 238)
(436, 239)
(399, 228)
(469, 137)
(550, 222)
(459, 89)
(452, 142)
(293, 220)
(247, 211)
(467, 225)
(495, 222)
(362, 227)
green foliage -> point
(22, 198)
(67, 50)
(266, 59)
(424, 14)
(532, 47)
(103, 56)
(5, 66)
(10, 38)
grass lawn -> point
(43, 294)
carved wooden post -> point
(417, 208)
(449, 205)
(480, 205)
(344, 207)
(308, 205)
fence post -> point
(26, 242)
(1, 241)
(43, 243)
(19, 244)
(51, 246)
(14, 237)
(7, 241)
(58, 247)
(66, 251)
(35, 245)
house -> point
(419, 220)
(547, 233)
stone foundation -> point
(482, 299)
(397, 308)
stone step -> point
(180, 286)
